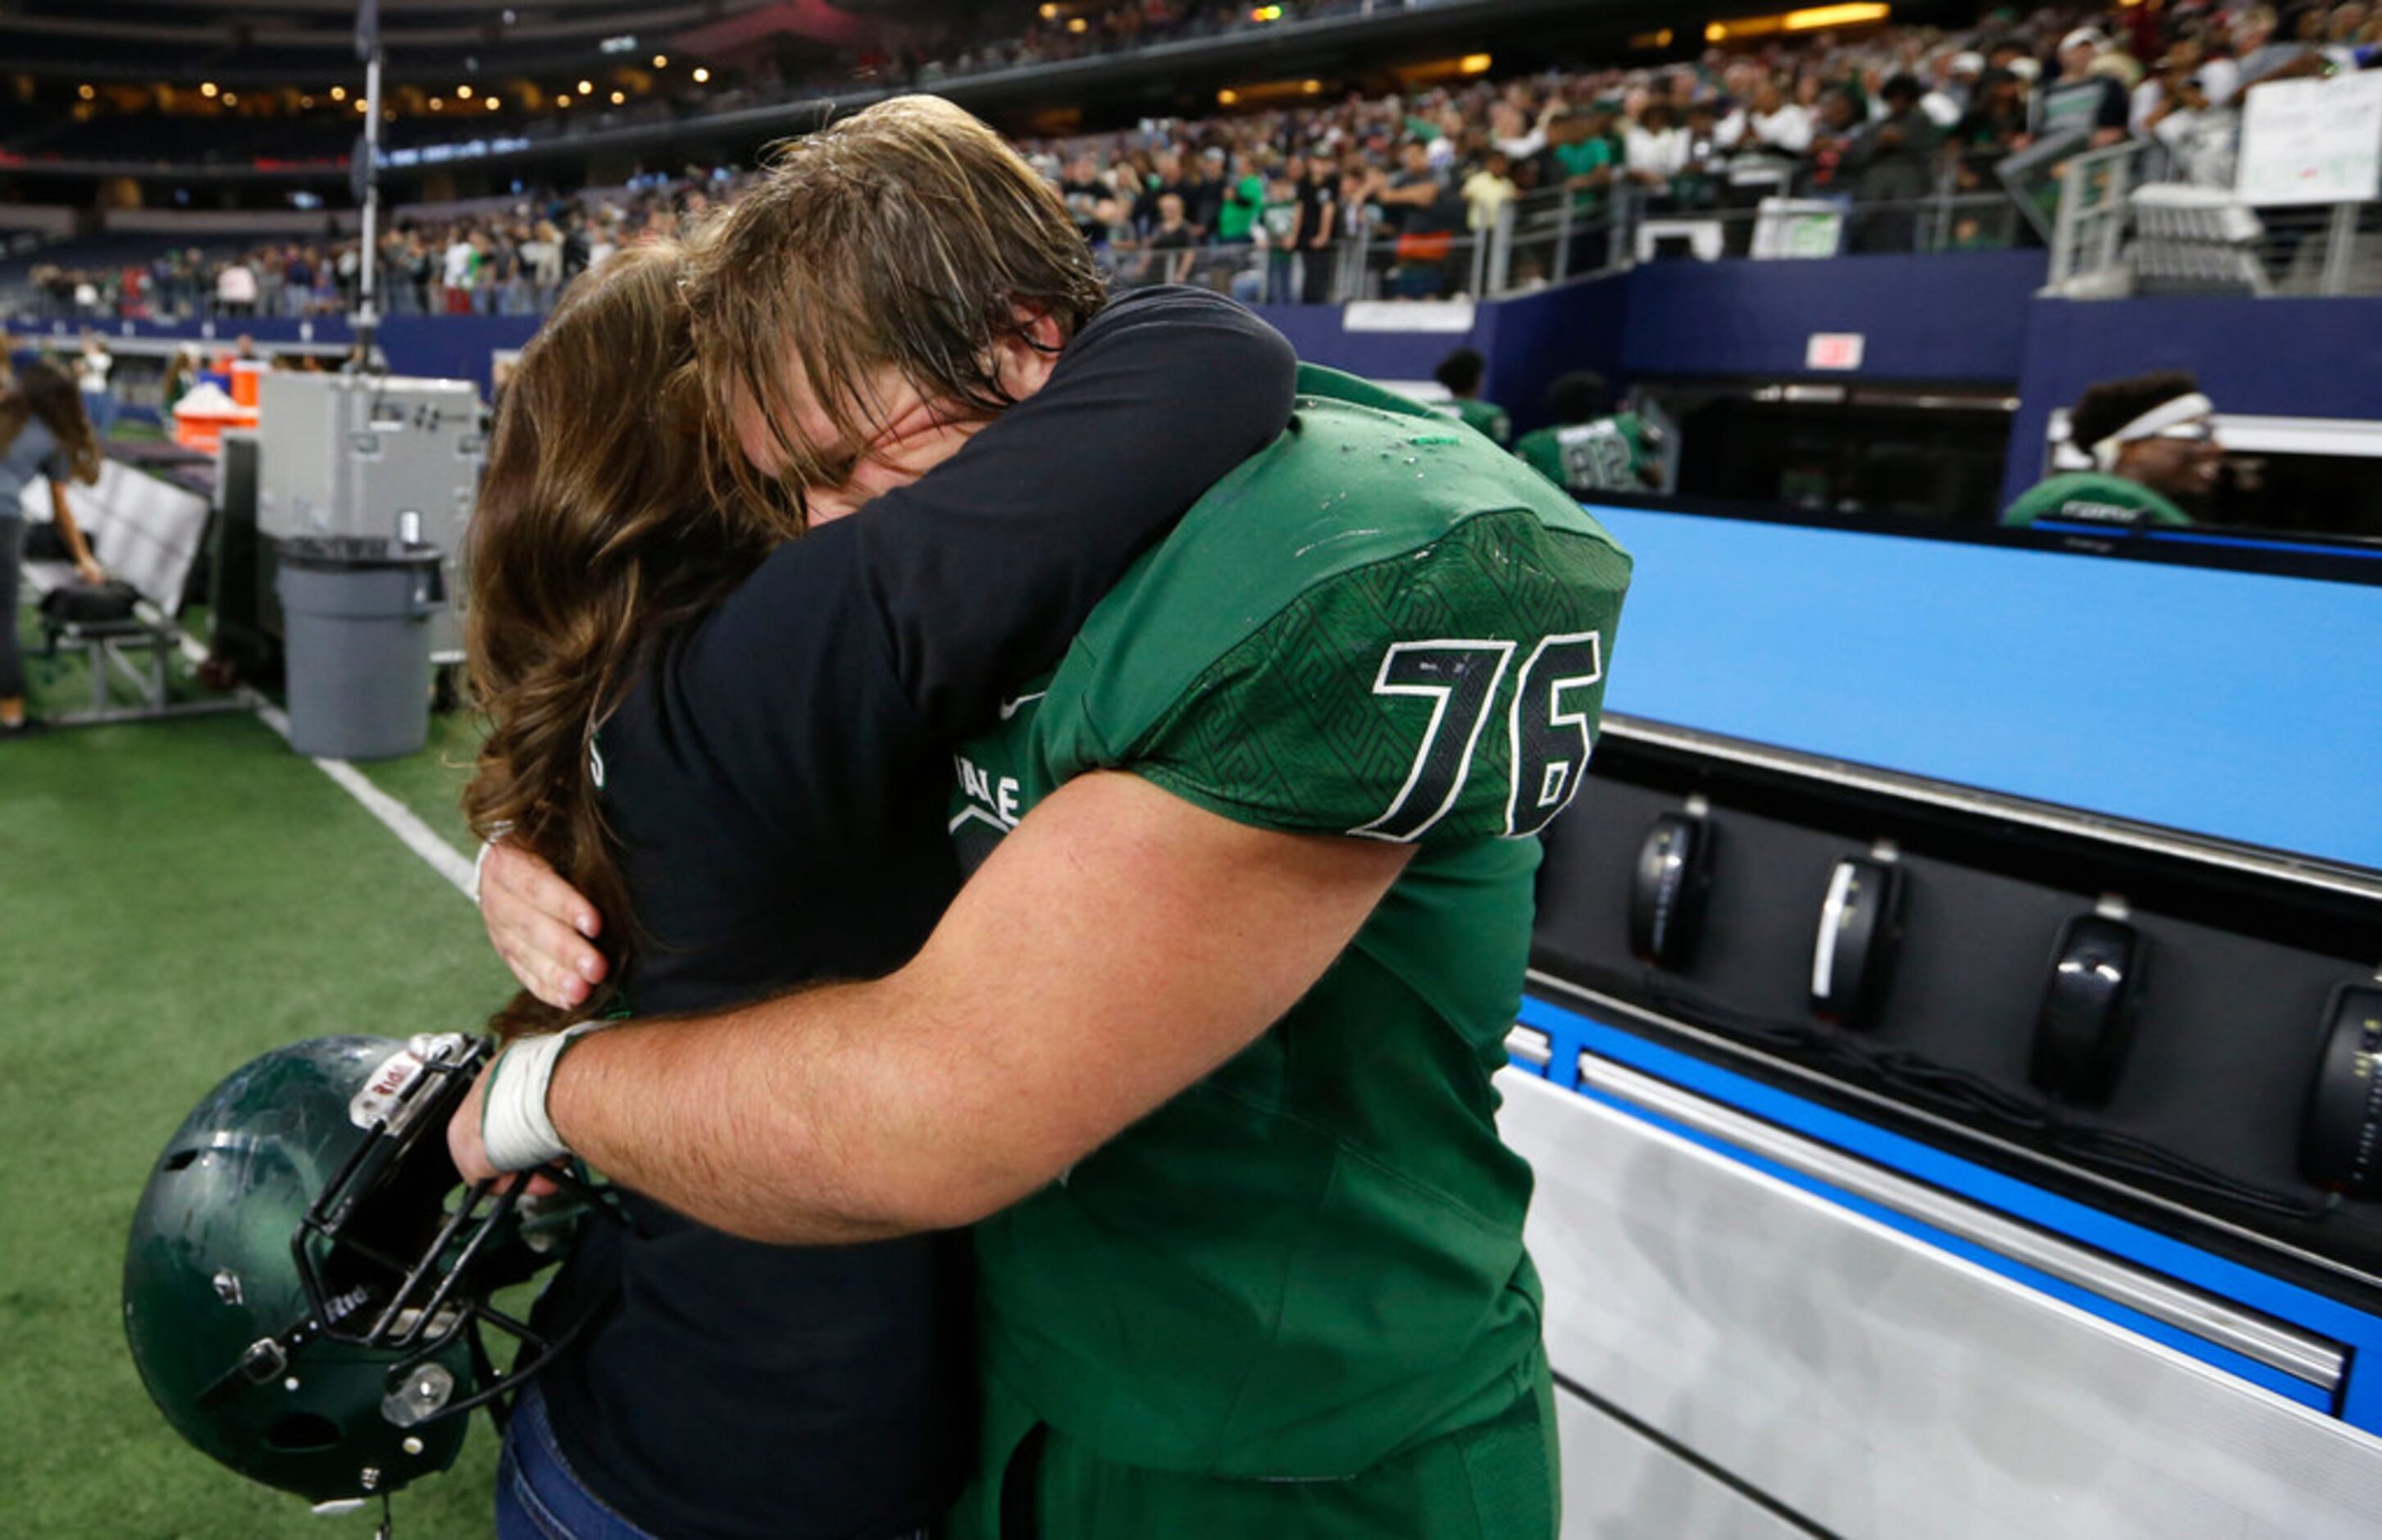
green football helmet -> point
(304, 1286)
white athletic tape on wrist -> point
(514, 1128)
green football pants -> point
(1496, 1480)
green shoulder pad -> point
(1377, 626)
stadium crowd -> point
(1299, 202)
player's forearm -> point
(1001, 1055)
(810, 1119)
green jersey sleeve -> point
(1540, 451)
(1448, 692)
(1376, 627)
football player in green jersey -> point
(1460, 372)
(1587, 451)
(1204, 1047)
(2154, 448)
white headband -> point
(2150, 424)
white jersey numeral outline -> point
(1559, 779)
(1392, 824)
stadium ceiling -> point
(257, 39)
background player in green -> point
(1590, 449)
(1215, 1024)
(2154, 448)
(1460, 372)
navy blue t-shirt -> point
(776, 782)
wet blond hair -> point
(907, 237)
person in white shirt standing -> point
(91, 367)
(1654, 149)
(236, 289)
(1956, 87)
(458, 269)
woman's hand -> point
(541, 926)
(90, 570)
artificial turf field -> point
(175, 898)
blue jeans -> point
(539, 1497)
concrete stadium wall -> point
(1955, 317)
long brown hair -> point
(908, 236)
(591, 538)
(45, 391)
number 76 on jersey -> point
(1548, 726)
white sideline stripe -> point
(394, 816)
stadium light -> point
(1812, 19)
(1476, 64)
(229, 100)
(563, 100)
(586, 88)
(464, 92)
(87, 92)
(494, 104)
(437, 103)
(1266, 13)
(661, 61)
(305, 101)
(360, 106)
(1077, 24)
(619, 97)
(1836, 16)
(1227, 97)
(208, 91)
(339, 94)
(1049, 12)
(702, 75)
(1312, 87)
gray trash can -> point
(356, 618)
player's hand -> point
(91, 571)
(470, 1154)
(463, 1134)
(541, 927)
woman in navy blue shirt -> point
(688, 704)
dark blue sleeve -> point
(983, 570)
(891, 635)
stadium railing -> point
(1555, 235)
(1539, 239)
(2126, 225)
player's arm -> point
(1115, 948)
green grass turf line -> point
(431, 783)
(179, 896)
